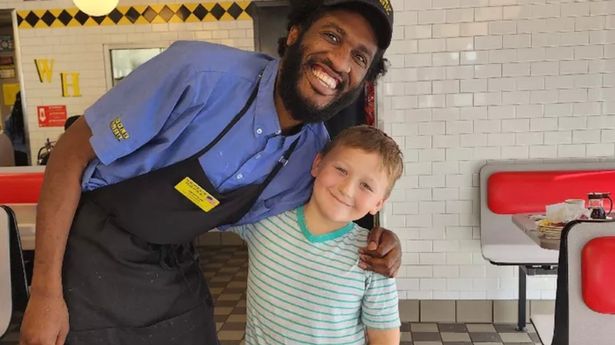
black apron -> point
(131, 274)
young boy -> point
(304, 284)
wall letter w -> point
(44, 67)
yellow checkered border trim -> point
(139, 14)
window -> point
(126, 60)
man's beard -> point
(300, 107)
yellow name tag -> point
(195, 193)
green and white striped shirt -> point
(307, 289)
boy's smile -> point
(349, 183)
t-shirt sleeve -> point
(379, 309)
(135, 110)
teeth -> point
(325, 78)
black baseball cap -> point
(378, 12)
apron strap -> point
(233, 121)
(281, 162)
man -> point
(189, 142)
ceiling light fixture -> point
(96, 8)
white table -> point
(27, 233)
(26, 222)
(529, 227)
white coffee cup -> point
(578, 202)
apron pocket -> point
(194, 327)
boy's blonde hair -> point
(372, 139)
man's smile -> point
(323, 80)
(323, 75)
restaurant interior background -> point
(469, 81)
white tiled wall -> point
(470, 80)
(473, 80)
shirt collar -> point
(322, 237)
(265, 104)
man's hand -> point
(382, 254)
(45, 321)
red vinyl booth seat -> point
(511, 192)
(598, 274)
(20, 188)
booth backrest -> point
(598, 274)
(20, 188)
(579, 320)
(510, 192)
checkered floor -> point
(226, 271)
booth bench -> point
(19, 193)
(513, 187)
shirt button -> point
(259, 131)
(239, 176)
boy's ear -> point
(316, 164)
(293, 35)
(378, 206)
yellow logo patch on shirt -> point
(118, 129)
(195, 193)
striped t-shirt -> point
(308, 289)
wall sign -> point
(44, 68)
(70, 84)
(51, 115)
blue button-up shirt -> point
(175, 104)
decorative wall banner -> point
(137, 14)
(44, 68)
(51, 115)
(70, 81)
